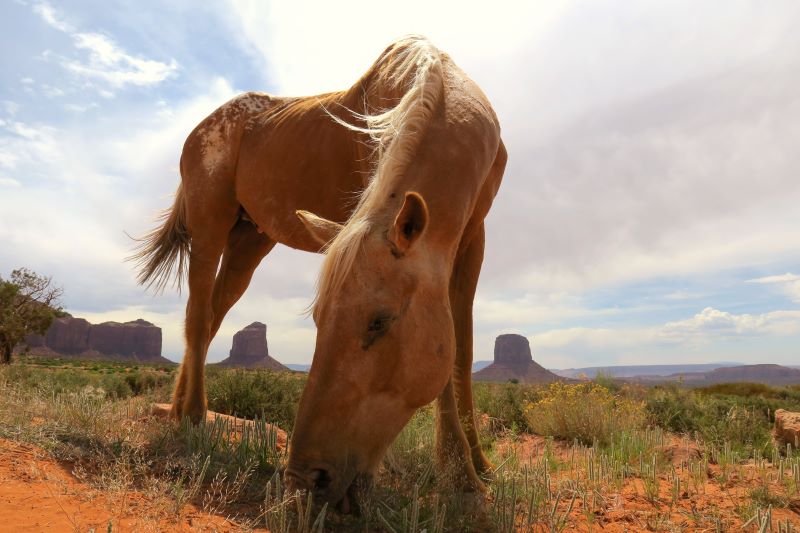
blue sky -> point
(649, 209)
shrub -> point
(587, 412)
(504, 404)
(674, 408)
(252, 393)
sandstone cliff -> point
(138, 340)
(513, 360)
(250, 349)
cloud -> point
(107, 61)
(49, 15)
(788, 283)
(711, 324)
(332, 47)
(110, 63)
(709, 335)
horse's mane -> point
(415, 63)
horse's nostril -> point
(322, 479)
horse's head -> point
(384, 346)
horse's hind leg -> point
(244, 251)
(209, 231)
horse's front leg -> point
(453, 454)
(457, 433)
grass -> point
(600, 444)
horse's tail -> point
(165, 248)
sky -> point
(650, 210)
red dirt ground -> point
(38, 494)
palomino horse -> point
(418, 145)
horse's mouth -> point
(355, 495)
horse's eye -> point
(379, 323)
(376, 329)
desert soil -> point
(38, 493)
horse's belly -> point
(271, 200)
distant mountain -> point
(768, 374)
(480, 365)
(629, 371)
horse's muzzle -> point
(326, 485)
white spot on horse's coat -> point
(253, 102)
(215, 136)
(215, 146)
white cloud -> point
(107, 61)
(780, 278)
(788, 283)
(8, 182)
(49, 15)
(711, 324)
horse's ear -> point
(323, 230)
(409, 224)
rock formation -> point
(250, 349)
(138, 340)
(513, 360)
(787, 428)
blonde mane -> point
(396, 133)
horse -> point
(391, 179)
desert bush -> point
(608, 381)
(504, 404)
(674, 408)
(256, 393)
(586, 412)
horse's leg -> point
(245, 249)
(189, 398)
(452, 447)
(456, 436)
(462, 293)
